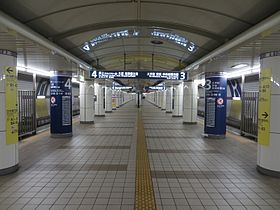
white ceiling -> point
(70, 23)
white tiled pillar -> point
(269, 116)
(118, 94)
(8, 150)
(99, 90)
(87, 102)
(190, 103)
(169, 94)
(114, 99)
(178, 100)
(163, 107)
(108, 99)
(158, 99)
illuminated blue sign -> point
(165, 75)
(108, 36)
(128, 33)
(190, 46)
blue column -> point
(215, 105)
(61, 105)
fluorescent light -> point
(238, 66)
(34, 71)
(74, 80)
(199, 82)
(41, 97)
(244, 71)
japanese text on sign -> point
(171, 75)
(264, 107)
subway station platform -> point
(138, 159)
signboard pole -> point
(215, 105)
(61, 105)
(9, 113)
(268, 115)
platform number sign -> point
(207, 85)
(94, 74)
(68, 84)
(215, 104)
(182, 76)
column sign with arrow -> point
(11, 105)
(264, 107)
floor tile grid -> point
(232, 189)
(72, 185)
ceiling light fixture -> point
(35, 71)
(240, 65)
(241, 72)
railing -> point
(249, 114)
(26, 113)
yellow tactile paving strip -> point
(144, 198)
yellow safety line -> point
(144, 198)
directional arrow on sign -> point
(265, 115)
(10, 70)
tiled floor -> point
(191, 172)
(95, 169)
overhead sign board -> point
(157, 75)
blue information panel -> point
(61, 104)
(215, 105)
(165, 75)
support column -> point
(215, 105)
(108, 95)
(87, 102)
(61, 104)
(114, 100)
(9, 161)
(163, 107)
(169, 94)
(178, 100)
(159, 99)
(117, 93)
(99, 90)
(269, 116)
(190, 103)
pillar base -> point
(61, 135)
(190, 123)
(9, 170)
(268, 172)
(99, 115)
(163, 109)
(212, 136)
(86, 122)
(168, 111)
(114, 108)
(177, 115)
(108, 111)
